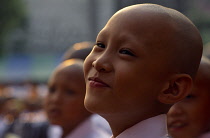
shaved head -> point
(76, 63)
(166, 32)
(203, 75)
(71, 66)
(143, 61)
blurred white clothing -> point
(93, 127)
(155, 127)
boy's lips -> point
(96, 82)
(176, 125)
(54, 112)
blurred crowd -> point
(19, 105)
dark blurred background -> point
(35, 33)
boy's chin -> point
(90, 105)
(93, 106)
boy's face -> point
(122, 75)
(65, 101)
(191, 117)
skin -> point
(64, 103)
(78, 51)
(130, 74)
(190, 117)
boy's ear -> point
(178, 87)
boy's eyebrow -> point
(103, 33)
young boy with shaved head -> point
(190, 117)
(144, 61)
(64, 103)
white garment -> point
(2, 126)
(100, 122)
(155, 127)
(206, 135)
(54, 131)
(93, 127)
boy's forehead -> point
(139, 30)
(68, 74)
(203, 75)
(125, 19)
(141, 23)
(73, 68)
(202, 80)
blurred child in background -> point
(190, 117)
(65, 102)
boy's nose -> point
(56, 97)
(103, 64)
(175, 110)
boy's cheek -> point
(87, 66)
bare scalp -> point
(167, 31)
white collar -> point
(155, 127)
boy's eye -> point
(51, 89)
(100, 45)
(126, 51)
(70, 92)
(189, 96)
